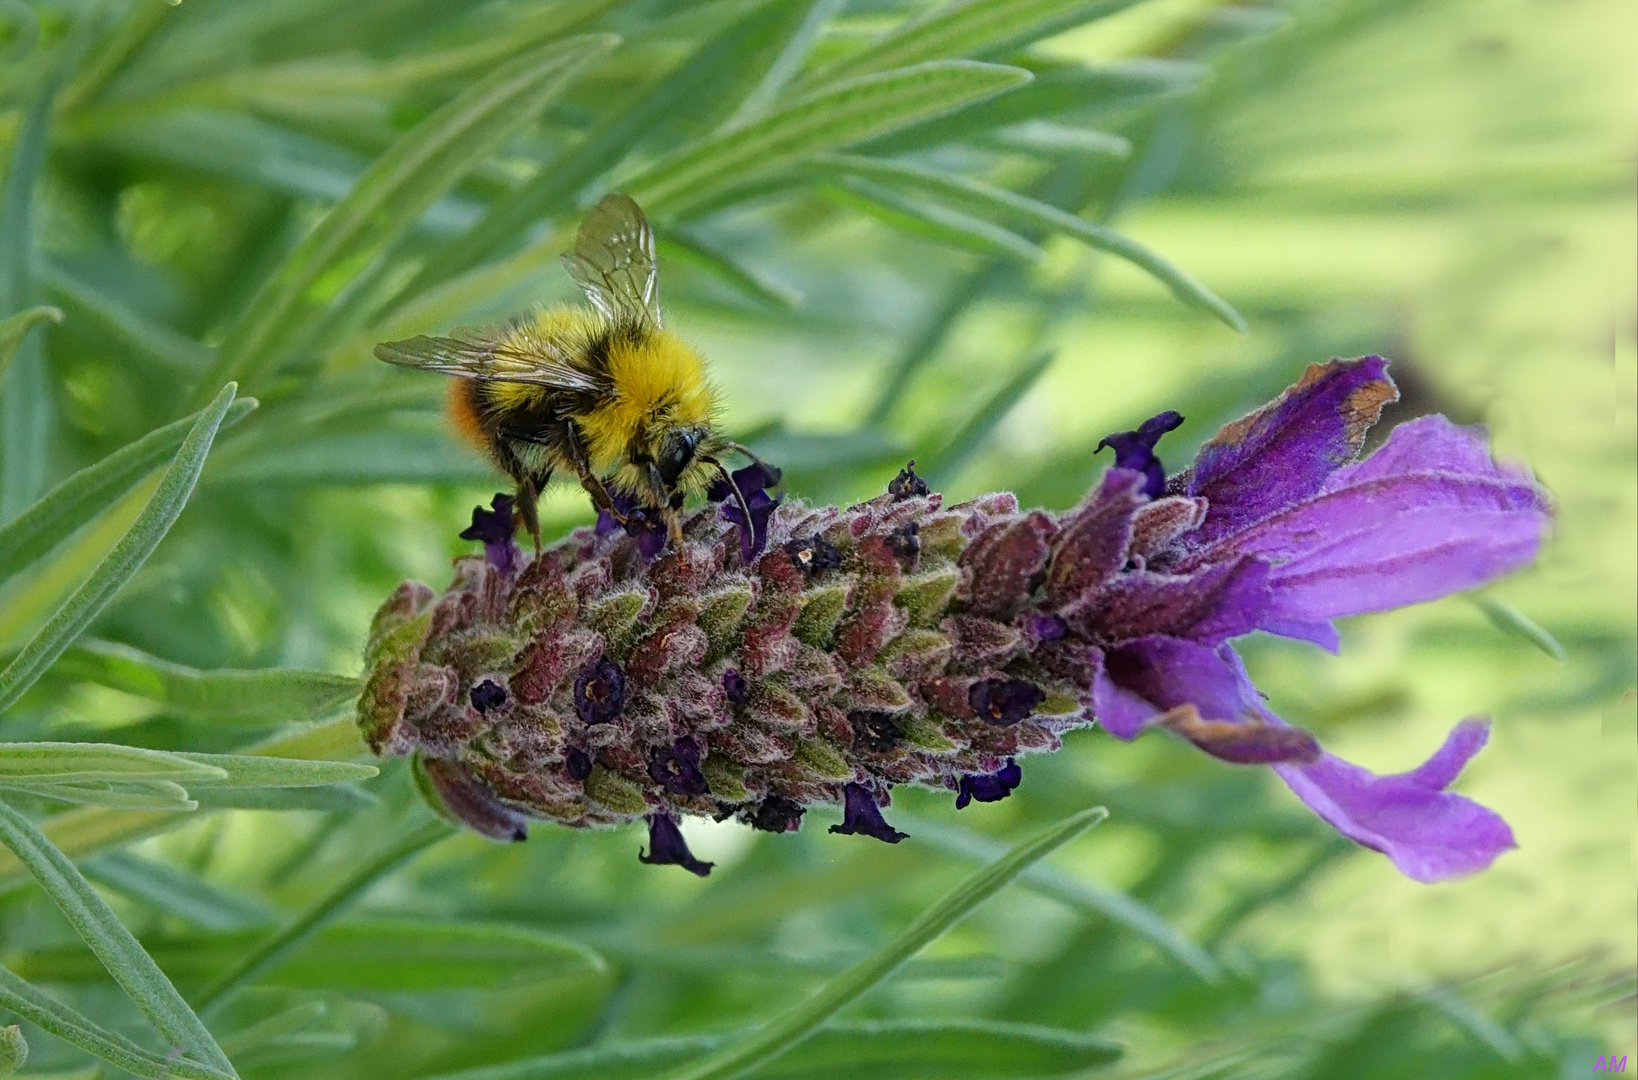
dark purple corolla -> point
(1277, 527)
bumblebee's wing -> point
(613, 261)
(475, 355)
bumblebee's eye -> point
(676, 455)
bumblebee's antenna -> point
(740, 448)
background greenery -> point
(258, 191)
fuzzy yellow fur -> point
(659, 384)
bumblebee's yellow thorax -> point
(658, 383)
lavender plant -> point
(811, 655)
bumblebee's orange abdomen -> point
(463, 414)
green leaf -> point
(128, 794)
(178, 354)
(830, 118)
(680, 246)
(329, 799)
(55, 1018)
(796, 1023)
(971, 28)
(113, 945)
(177, 893)
(1111, 904)
(971, 436)
(995, 202)
(42, 762)
(278, 947)
(268, 695)
(13, 1050)
(1046, 137)
(379, 955)
(14, 329)
(800, 36)
(406, 450)
(83, 496)
(1515, 623)
(133, 549)
(414, 172)
(941, 224)
(257, 770)
(920, 349)
(859, 1050)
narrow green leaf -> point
(833, 117)
(257, 770)
(178, 354)
(279, 946)
(55, 1018)
(268, 695)
(119, 952)
(83, 496)
(921, 348)
(682, 246)
(798, 1022)
(1515, 623)
(133, 549)
(941, 224)
(1111, 904)
(1046, 137)
(861, 1050)
(14, 329)
(802, 35)
(328, 799)
(178, 893)
(970, 437)
(1000, 203)
(125, 794)
(135, 26)
(294, 1019)
(414, 172)
(970, 28)
(53, 762)
(404, 450)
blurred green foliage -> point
(982, 235)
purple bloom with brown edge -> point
(495, 527)
(778, 814)
(666, 847)
(753, 482)
(487, 695)
(600, 691)
(1135, 450)
(677, 767)
(877, 663)
(907, 485)
(860, 814)
(989, 787)
(1004, 702)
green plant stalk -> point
(792, 1026)
(286, 941)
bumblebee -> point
(604, 393)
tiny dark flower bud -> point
(1003, 702)
(495, 528)
(666, 847)
(875, 731)
(860, 814)
(1135, 450)
(905, 544)
(600, 691)
(989, 787)
(487, 695)
(577, 763)
(907, 485)
(777, 814)
(813, 554)
(736, 687)
(677, 767)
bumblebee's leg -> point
(529, 489)
(600, 497)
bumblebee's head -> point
(677, 451)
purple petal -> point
(778, 814)
(989, 787)
(666, 847)
(1004, 702)
(1379, 537)
(487, 695)
(495, 528)
(1252, 741)
(1428, 832)
(1209, 605)
(860, 814)
(1142, 680)
(677, 767)
(600, 691)
(1282, 453)
(1135, 450)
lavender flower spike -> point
(824, 655)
